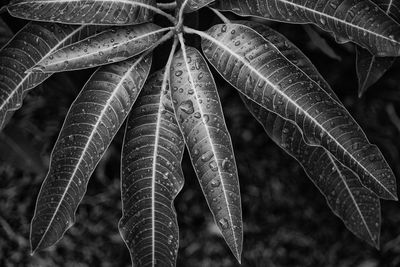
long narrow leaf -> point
(357, 206)
(108, 12)
(91, 123)
(32, 43)
(200, 117)
(151, 177)
(361, 21)
(258, 69)
(111, 45)
(193, 5)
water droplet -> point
(223, 223)
(215, 182)
(187, 106)
(213, 165)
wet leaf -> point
(193, 5)
(34, 42)
(257, 68)
(151, 177)
(358, 21)
(105, 12)
(91, 123)
(109, 46)
(199, 114)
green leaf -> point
(91, 123)
(199, 114)
(256, 67)
(5, 33)
(151, 177)
(100, 12)
(193, 5)
(369, 67)
(360, 21)
(109, 46)
(357, 206)
(32, 43)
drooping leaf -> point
(199, 114)
(100, 12)
(193, 5)
(358, 21)
(258, 69)
(369, 67)
(5, 33)
(109, 46)
(151, 177)
(91, 123)
(357, 206)
(32, 43)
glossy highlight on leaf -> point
(193, 5)
(100, 12)
(109, 46)
(91, 123)
(258, 69)
(199, 114)
(32, 43)
(358, 21)
(151, 177)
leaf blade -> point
(193, 5)
(91, 123)
(200, 117)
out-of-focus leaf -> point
(151, 177)
(320, 43)
(357, 206)
(91, 123)
(108, 12)
(193, 5)
(258, 69)
(199, 114)
(32, 43)
(360, 21)
(369, 67)
(5, 33)
(109, 46)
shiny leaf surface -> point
(109, 46)
(199, 114)
(193, 5)
(91, 123)
(108, 12)
(151, 177)
(359, 21)
(32, 43)
(258, 69)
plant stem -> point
(199, 33)
(163, 39)
(220, 15)
(167, 6)
(180, 15)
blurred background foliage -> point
(286, 219)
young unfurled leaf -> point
(108, 12)
(91, 123)
(360, 21)
(258, 69)
(199, 114)
(34, 42)
(5, 33)
(111, 45)
(357, 206)
(193, 5)
(369, 67)
(151, 177)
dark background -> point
(286, 220)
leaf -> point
(5, 33)
(199, 114)
(360, 21)
(109, 46)
(32, 43)
(371, 68)
(100, 12)
(91, 123)
(257, 68)
(357, 206)
(151, 177)
(193, 5)
(318, 42)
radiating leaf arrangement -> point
(179, 105)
